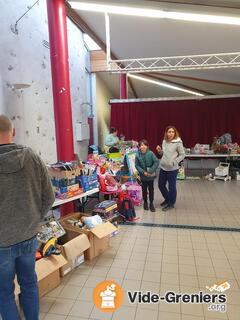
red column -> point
(123, 86)
(57, 24)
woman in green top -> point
(146, 164)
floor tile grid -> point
(209, 259)
(184, 316)
(54, 314)
(113, 245)
(126, 269)
(185, 312)
(224, 255)
(90, 264)
(201, 203)
(141, 308)
(141, 283)
(212, 238)
(237, 276)
(165, 243)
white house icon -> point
(108, 297)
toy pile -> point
(86, 222)
(63, 177)
(224, 144)
(220, 145)
(134, 191)
(88, 177)
(50, 231)
(106, 209)
(201, 149)
(50, 228)
(70, 179)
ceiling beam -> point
(81, 24)
(206, 3)
(176, 84)
(195, 79)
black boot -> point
(168, 207)
(145, 205)
(152, 208)
(164, 203)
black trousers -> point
(148, 187)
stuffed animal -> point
(226, 138)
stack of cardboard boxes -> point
(77, 245)
(64, 182)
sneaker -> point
(168, 207)
(152, 207)
(145, 205)
(164, 203)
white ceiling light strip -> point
(166, 85)
(153, 13)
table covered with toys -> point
(111, 176)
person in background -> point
(172, 153)
(112, 140)
(26, 196)
(146, 164)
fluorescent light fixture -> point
(154, 13)
(91, 44)
(166, 85)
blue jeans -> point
(19, 260)
(170, 193)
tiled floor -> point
(159, 259)
(201, 203)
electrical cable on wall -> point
(14, 27)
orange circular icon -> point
(108, 296)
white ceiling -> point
(137, 37)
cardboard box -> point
(64, 174)
(60, 194)
(72, 265)
(73, 246)
(47, 270)
(98, 236)
(48, 274)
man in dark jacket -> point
(25, 198)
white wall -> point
(101, 100)
(78, 78)
(24, 59)
(2, 103)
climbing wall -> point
(25, 60)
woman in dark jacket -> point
(146, 164)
